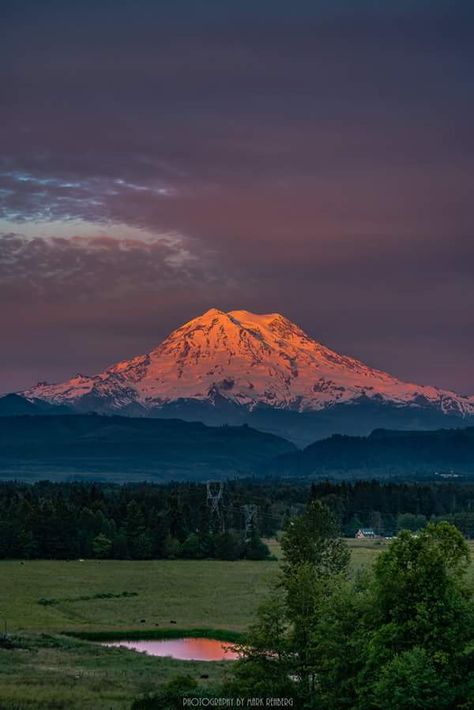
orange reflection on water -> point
(185, 649)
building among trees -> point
(365, 534)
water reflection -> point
(185, 649)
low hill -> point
(384, 452)
(13, 405)
(124, 448)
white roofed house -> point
(365, 534)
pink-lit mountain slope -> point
(261, 370)
(245, 360)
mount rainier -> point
(239, 367)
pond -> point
(183, 649)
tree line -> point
(149, 521)
(146, 521)
(390, 507)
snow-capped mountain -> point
(248, 361)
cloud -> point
(81, 303)
(42, 197)
(94, 268)
(163, 158)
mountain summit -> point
(240, 362)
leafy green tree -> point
(191, 548)
(314, 538)
(142, 546)
(266, 661)
(28, 544)
(101, 546)
(120, 549)
(177, 519)
(283, 644)
(353, 526)
(419, 602)
(396, 638)
(412, 681)
(376, 522)
(227, 546)
(10, 538)
(206, 541)
(171, 547)
(339, 637)
(254, 548)
(139, 539)
(409, 521)
(134, 521)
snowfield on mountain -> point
(248, 361)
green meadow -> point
(42, 602)
(57, 596)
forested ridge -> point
(383, 453)
(113, 448)
(124, 449)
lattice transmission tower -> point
(250, 520)
(215, 501)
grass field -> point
(191, 593)
(51, 670)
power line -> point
(215, 492)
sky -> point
(162, 157)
